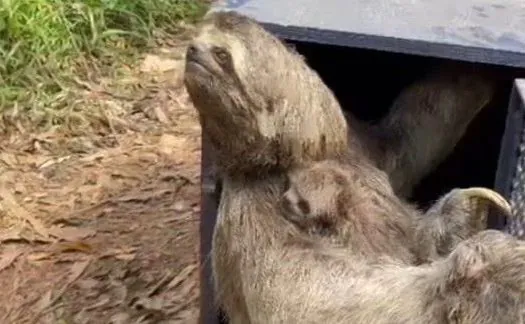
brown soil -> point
(104, 228)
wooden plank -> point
(485, 31)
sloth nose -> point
(192, 50)
(195, 49)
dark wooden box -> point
(368, 50)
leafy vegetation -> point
(44, 44)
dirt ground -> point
(103, 228)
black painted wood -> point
(509, 147)
(209, 203)
(484, 31)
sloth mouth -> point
(197, 61)
(195, 65)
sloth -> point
(266, 113)
(426, 121)
(334, 201)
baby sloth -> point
(336, 202)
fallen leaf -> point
(120, 318)
(102, 301)
(123, 174)
(149, 158)
(39, 195)
(53, 161)
(186, 288)
(69, 221)
(19, 188)
(46, 202)
(154, 303)
(39, 256)
(183, 274)
(12, 207)
(172, 145)
(120, 291)
(115, 252)
(10, 235)
(8, 258)
(126, 256)
(166, 279)
(77, 269)
(69, 233)
(161, 115)
(94, 157)
(179, 307)
(180, 206)
(45, 301)
(144, 197)
(88, 283)
(81, 317)
(185, 297)
(8, 159)
(74, 246)
(171, 219)
(20, 237)
(154, 63)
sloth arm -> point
(344, 291)
(425, 122)
(481, 281)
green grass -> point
(45, 43)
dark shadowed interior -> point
(366, 82)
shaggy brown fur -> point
(354, 205)
(456, 216)
(426, 121)
(268, 113)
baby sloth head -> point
(312, 197)
(330, 197)
(347, 204)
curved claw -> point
(489, 195)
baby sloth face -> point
(349, 205)
(312, 198)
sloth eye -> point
(221, 55)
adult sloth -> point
(266, 113)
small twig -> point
(183, 274)
(162, 282)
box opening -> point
(366, 82)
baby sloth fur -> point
(334, 201)
(267, 113)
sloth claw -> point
(477, 201)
